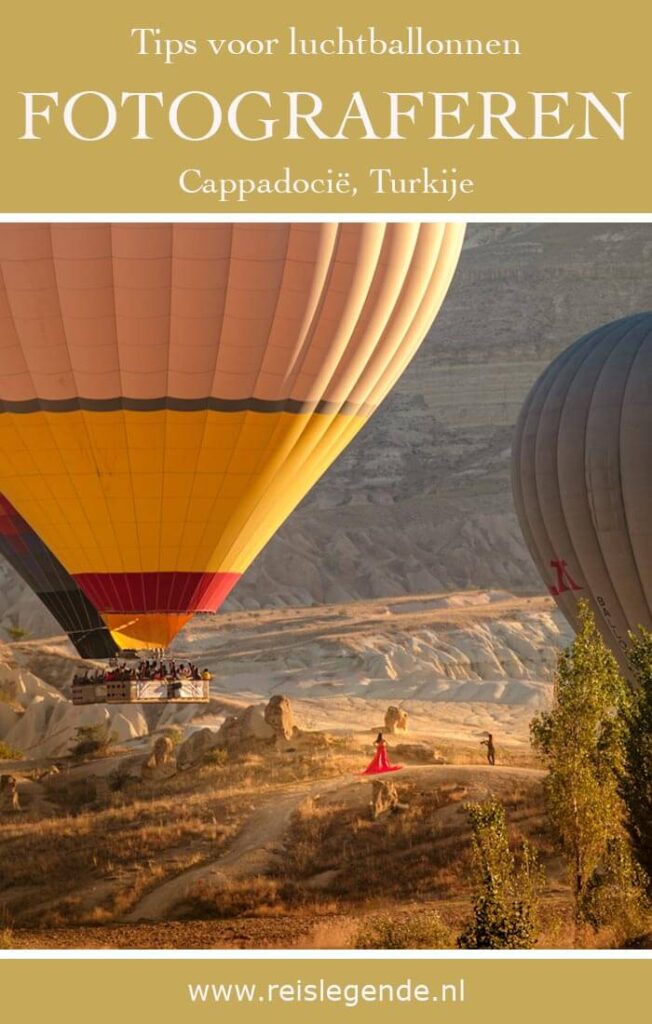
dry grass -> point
(419, 852)
(110, 841)
(340, 880)
(423, 929)
(332, 933)
(118, 852)
(252, 897)
(559, 930)
(436, 925)
(262, 896)
(459, 753)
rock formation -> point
(384, 797)
(396, 719)
(194, 748)
(418, 753)
(162, 750)
(161, 763)
(278, 715)
(9, 801)
(37, 719)
(246, 731)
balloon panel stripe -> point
(208, 404)
(159, 591)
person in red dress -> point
(380, 762)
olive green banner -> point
(344, 108)
(452, 991)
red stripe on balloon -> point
(150, 592)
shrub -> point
(92, 740)
(8, 753)
(505, 904)
(218, 756)
(615, 893)
(16, 633)
(424, 930)
(174, 733)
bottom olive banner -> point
(451, 990)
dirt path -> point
(249, 854)
(254, 847)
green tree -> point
(636, 776)
(582, 742)
(505, 904)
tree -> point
(17, 633)
(505, 905)
(92, 740)
(636, 776)
(615, 893)
(582, 742)
(8, 753)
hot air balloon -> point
(170, 392)
(46, 576)
(582, 476)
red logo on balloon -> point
(564, 579)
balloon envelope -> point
(582, 476)
(169, 392)
(46, 576)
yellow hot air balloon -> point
(170, 392)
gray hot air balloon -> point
(582, 477)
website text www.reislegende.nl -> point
(321, 990)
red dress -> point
(380, 762)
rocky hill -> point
(458, 662)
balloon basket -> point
(148, 691)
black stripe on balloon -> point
(45, 575)
(99, 644)
(70, 610)
(211, 404)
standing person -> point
(380, 762)
(491, 750)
